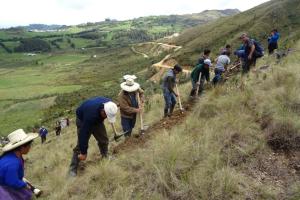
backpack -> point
(259, 49)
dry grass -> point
(208, 156)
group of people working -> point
(91, 114)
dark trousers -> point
(272, 46)
(99, 133)
(57, 130)
(43, 138)
(128, 124)
(247, 64)
(195, 85)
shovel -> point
(198, 84)
(179, 100)
(116, 135)
(143, 127)
(37, 192)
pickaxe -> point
(116, 135)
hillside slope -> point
(236, 143)
(258, 22)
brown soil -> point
(166, 123)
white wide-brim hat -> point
(125, 77)
(18, 138)
(129, 85)
(111, 109)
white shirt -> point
(222, 61)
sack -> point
(259, 49)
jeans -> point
(128, 124)
(218, 76)
(170, 101)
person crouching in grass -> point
(12, 186)
(129, 104)
(222, 62)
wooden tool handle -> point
(114, 129)
(179, 100)
(141, 110)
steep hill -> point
(235, 143)
(257, 22)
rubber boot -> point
(166, 112)
(74, 165)
(104, 151)
(171, 110)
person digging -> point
(90, 116)
(168, 85)
(129, 104)
(198, 76)
(12, 183)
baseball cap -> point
(111, 110)
(207, 62)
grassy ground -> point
(29, 84)
(239, 142)
(69, 76)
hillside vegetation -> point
(240, 141)
(110, 33)
(257, 22)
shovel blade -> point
(144, 129)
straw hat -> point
(125, 77)
(129, 85)
(18, 138)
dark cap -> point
(177, 68)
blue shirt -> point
(89, 115)
(12, 171)
(274, 38)
(43, 132)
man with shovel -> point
(90, 116)
(129, 104)
(168, 85)
(199, 74)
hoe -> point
(116, 135)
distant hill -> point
(43, 27)
(108, 33)
(258, 22)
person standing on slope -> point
(253, 50)
(43, 134)
(129, 106)
(273, 41)
(168, 85)
(90, 116)
(12, 185)
(203, 71)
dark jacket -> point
(89, 115)
(200, 69)
(127, 108)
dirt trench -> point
(167, 123)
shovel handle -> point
(114, 129)
(141, 110)
(197, 89)
(179, 99)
